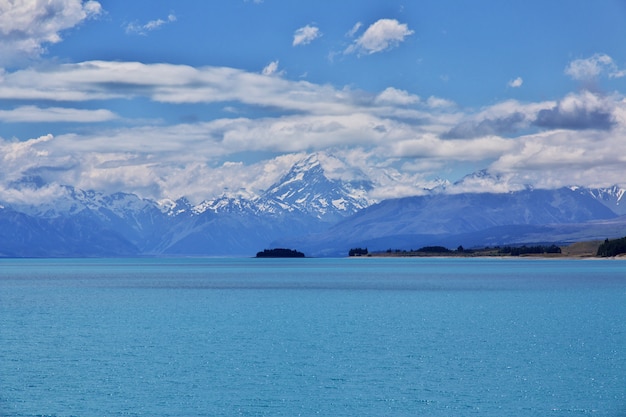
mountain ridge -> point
(306, 208)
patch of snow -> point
(201, 208)
(299, 177)
(340, 204)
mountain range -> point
(306, 209)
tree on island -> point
(280, 253)
(358, 252)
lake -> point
(312, 337)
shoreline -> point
(576, 250)
(529, 257)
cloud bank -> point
(392, 135)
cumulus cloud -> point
(143, 29)
(504, 118)
(485, 127)
(306, 35)
(578, 112)
(587, 69)
(26, 25)
(380, 36)
(438, 102)
(561, 157)
(394, 96)
(18, 157)
(516, 83)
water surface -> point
(331, 337)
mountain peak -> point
(309, 162)
(225, 204)
(175, 207)
(307, 188)
(612, 197)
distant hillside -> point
(529, 216)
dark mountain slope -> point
(442, 218)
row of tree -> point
(608, 248)
(506, 250)
(612, 247)
(529, 250)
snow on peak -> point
(307, 188)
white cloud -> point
(26, 25)
(486, 184)
(140, 29)
(579, 112)
(17, 157)
(394, 96)
(475, 149)
(561, 158)
(504, 118)
(172, 84)
(377, 132)
(380, 36)
(437, 102)
(306, 35)
(354, 29)
(271, 69)
(590, 68)
(34, 114)
(516, 83)
(17, 151)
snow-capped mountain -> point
(320, 203)
(306, 188)
(68, 221)
(63, 200)
(612, 197)
(225, 204)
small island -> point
(280, 253)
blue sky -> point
(171, 98)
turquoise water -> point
(327, 337)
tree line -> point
(612, 247)
(529, 250)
